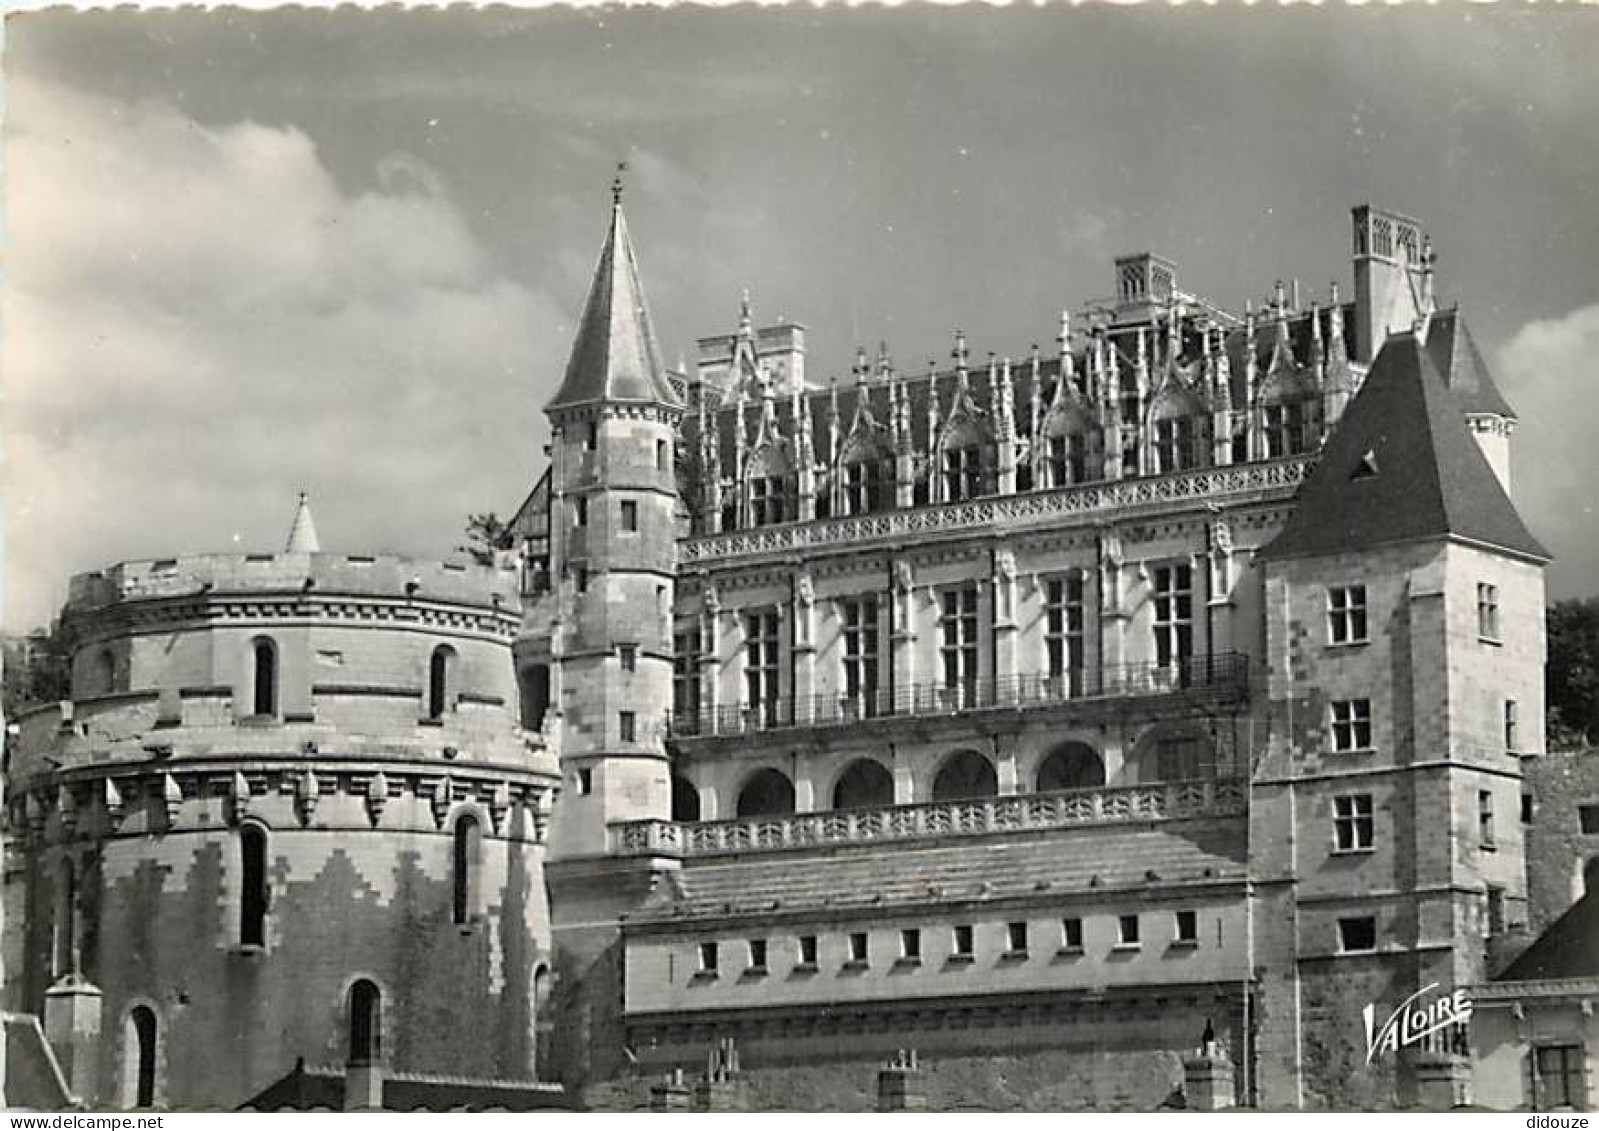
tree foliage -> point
(485, 534)
(1572, 676)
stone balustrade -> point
(1157, 801)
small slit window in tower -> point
(627, 724)
(580, 511)
(468, 840)
(662, 455)
(1512, 727)
(591, 437)
(265, 656)
(630, 516)
(1485, 818)
(439, 665)
(252, 885)
(627, 655)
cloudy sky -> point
(251, 253)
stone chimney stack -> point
(1208, 1076)
(72, 1012)
(900, 1084)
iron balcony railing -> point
(977, 816)
(1213, 674)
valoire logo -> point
(1412, 1021)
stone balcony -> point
(1090, 502)
(1158, 801)
(1211, 677)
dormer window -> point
(963, 473)
(1285, 430)
(766, 500)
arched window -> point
(767, 794)
(139, 1059)
(1072, 765)
(265, 656)
(864, 784)
(366, 1023)
(252, 885)
(965, 773)
(468, 838)
(685, 800)
(441, 667)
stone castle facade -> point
(287, 816)
(1036, 713)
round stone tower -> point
(287, 814)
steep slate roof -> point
(33, 1075)
(1460, 363)
(614, 355)
(1568, 948)
(1103, 857)
(1431, 480)
(302, 532)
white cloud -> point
(1550, 370)
(199, 320)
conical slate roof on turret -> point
(614, 355)
(302, 532)
(1402, 466)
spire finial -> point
(616, 185)
(302, 537)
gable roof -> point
(1568, 948)
(1431, 479)
(614, 354)
(1460, 364)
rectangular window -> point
(768, 497)
(1174, 616)
(1071, 934)
(1351, 724)
(860, 656)
(627, 655)
(807, 950)
(1188, 926)
(1063, 633)
(1127, 930)
(1352, 823)
(910, 945)
(963, 474)
(1174, 445)
(1346, 614)
(1496, 909)
(858, 947)
(1285, 429)
(862, 482)
(580, 578)
(1068, 459)
(629, 515)
(1016, 937)
(1557, 1077)
(1357, 935)
(761, 667)
(1488, 611)
(957, 634)
(1485, 818)
(591, 437)
(1526, 808)
(758, 955)
(663, 455)
(686, 678)
(1512, 727)
(585, 782)
(627, 725)
(963, 940)
(1588, 819)
(708, 958)
(580, 511)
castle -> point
(1034, 712)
